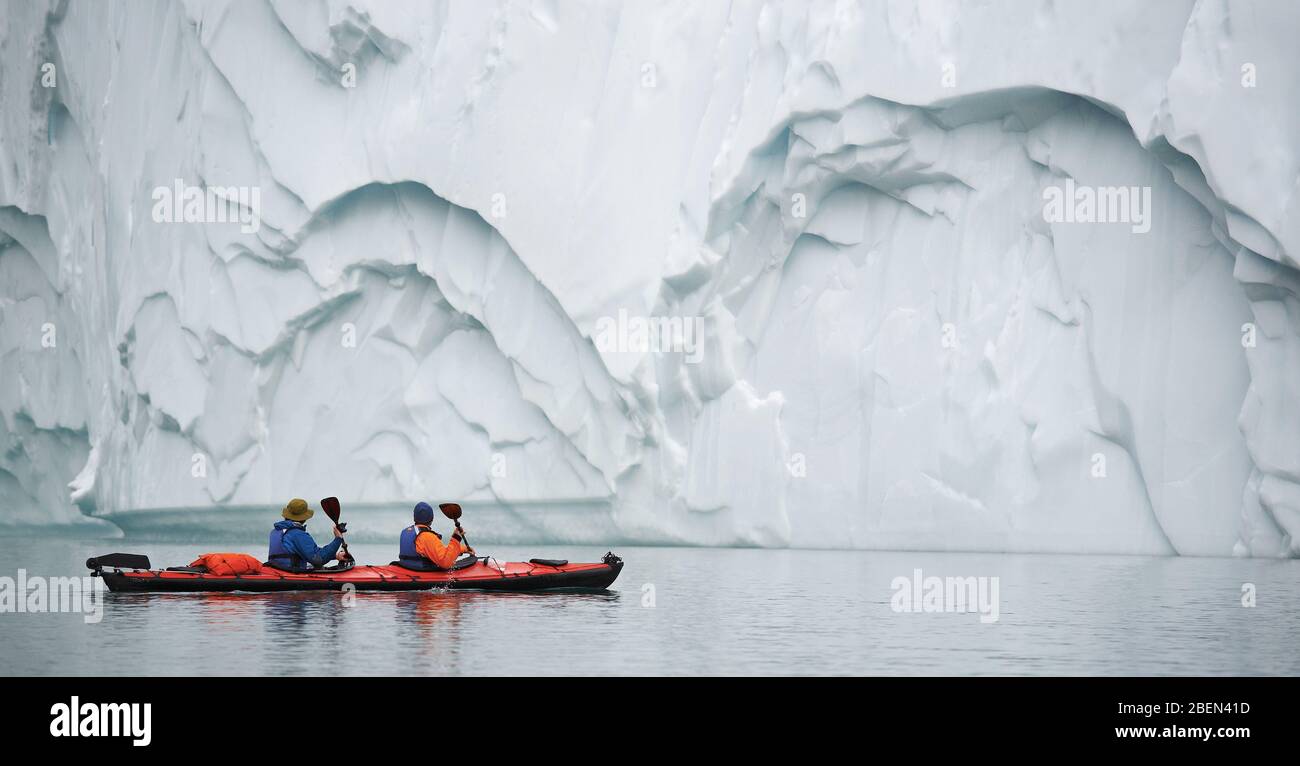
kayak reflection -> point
(331, 632)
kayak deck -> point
(510, 576)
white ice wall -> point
(896, 349)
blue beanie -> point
(423, 513)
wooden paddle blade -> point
(450, 510)
(330, 506)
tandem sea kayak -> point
(132, 573)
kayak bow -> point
(131, 573)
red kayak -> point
(131, 573)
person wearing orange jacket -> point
(422, 548)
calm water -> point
(685, 611)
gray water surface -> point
(684, 611)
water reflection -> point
(437, 630)
(404, 633)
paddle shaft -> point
(463, 539)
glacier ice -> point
(896, 348)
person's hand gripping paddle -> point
(330, 506)
(453, 511)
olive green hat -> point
(297, 510)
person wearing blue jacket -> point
(292, 547)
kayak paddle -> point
(330, 506)
(453, 511)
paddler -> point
(422, 548)
(292, 547)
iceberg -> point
(943, 276)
